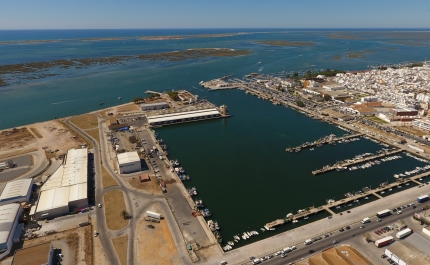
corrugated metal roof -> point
(16, 189)
(78, 192)
(8, 214)
(154, 104)
(183, 115)
(53, 198)
(128, 157)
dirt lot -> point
(49, 135)
(155, 246)
(99, 254)
(151, 186)
(131, 107)
(107, 179)
(121, 244)
(85, 121)
(79, 241)
(411, 130)
(113, 205)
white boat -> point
(341, 168)
(306, 218)
(295, 221)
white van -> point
(366, 220)
(308, 242)
(286, 250)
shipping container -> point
(153, 214)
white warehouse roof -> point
(183, 115)
(128, 157)
(16, 189)
(8, 214)
(78, 192)
(53, 198)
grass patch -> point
(128, 107)
(376, 119)
(114, 204)
(287, 43)
(94, 133)
(121, 245)
(85, 121)
(107, 179)
(336, 58)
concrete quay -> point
(365, 159)
(325, 140)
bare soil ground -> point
(155, 246)
(121, 244)
(131, 107)
(412, 130)
(50, 136)
(85, 121)
(114, 204)
(151, 186)
(79, 241)
(99, 256)
(107, 179)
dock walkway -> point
(325, 140)
(365, 159)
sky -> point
(143, 14)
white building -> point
(16, 191)
(128, 162)
(334, 87)
(180, 117)
(67, 188)
(413, 250)
(9, 216)
(423, 124)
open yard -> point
(94, 133)
(121, 244)
(114, 204)
(412, 130)
(155, 245)
(377, 120)
(85, 121)
(151, 186)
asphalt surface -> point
(302, 250)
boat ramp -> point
(356, 161)
(330, 139)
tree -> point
(137, 100)
(295, 74)
(173, 95)
(300, 103)
(327, 97)
(287, 76)
(125, 214)
(308, 74)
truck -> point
(366, 220)
(383, 213)
(384, 241)
(423, 198)
(404, 233)
(153, 214)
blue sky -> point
(96, 14)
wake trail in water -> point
(62, 102)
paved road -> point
(318, 246)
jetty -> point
(275, 223)
(356, 161)
(330, 139)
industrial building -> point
(16, 191)
(413, 250)
(340, 255)
(128, 162)
(67, 188)
(181, 117)
(10, 231)
(154, 106)
(42, 254)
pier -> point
(357, 161)
(324, 140)
(366, 192)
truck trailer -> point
(383, 213)
(423, 198)
(153, 214)
(384, 241)
(404, 233)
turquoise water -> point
(239, 165)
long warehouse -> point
(181, 117)
(67, 188)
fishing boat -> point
(216, 225)
(218, 236)
(101, 103)
(295, 221)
